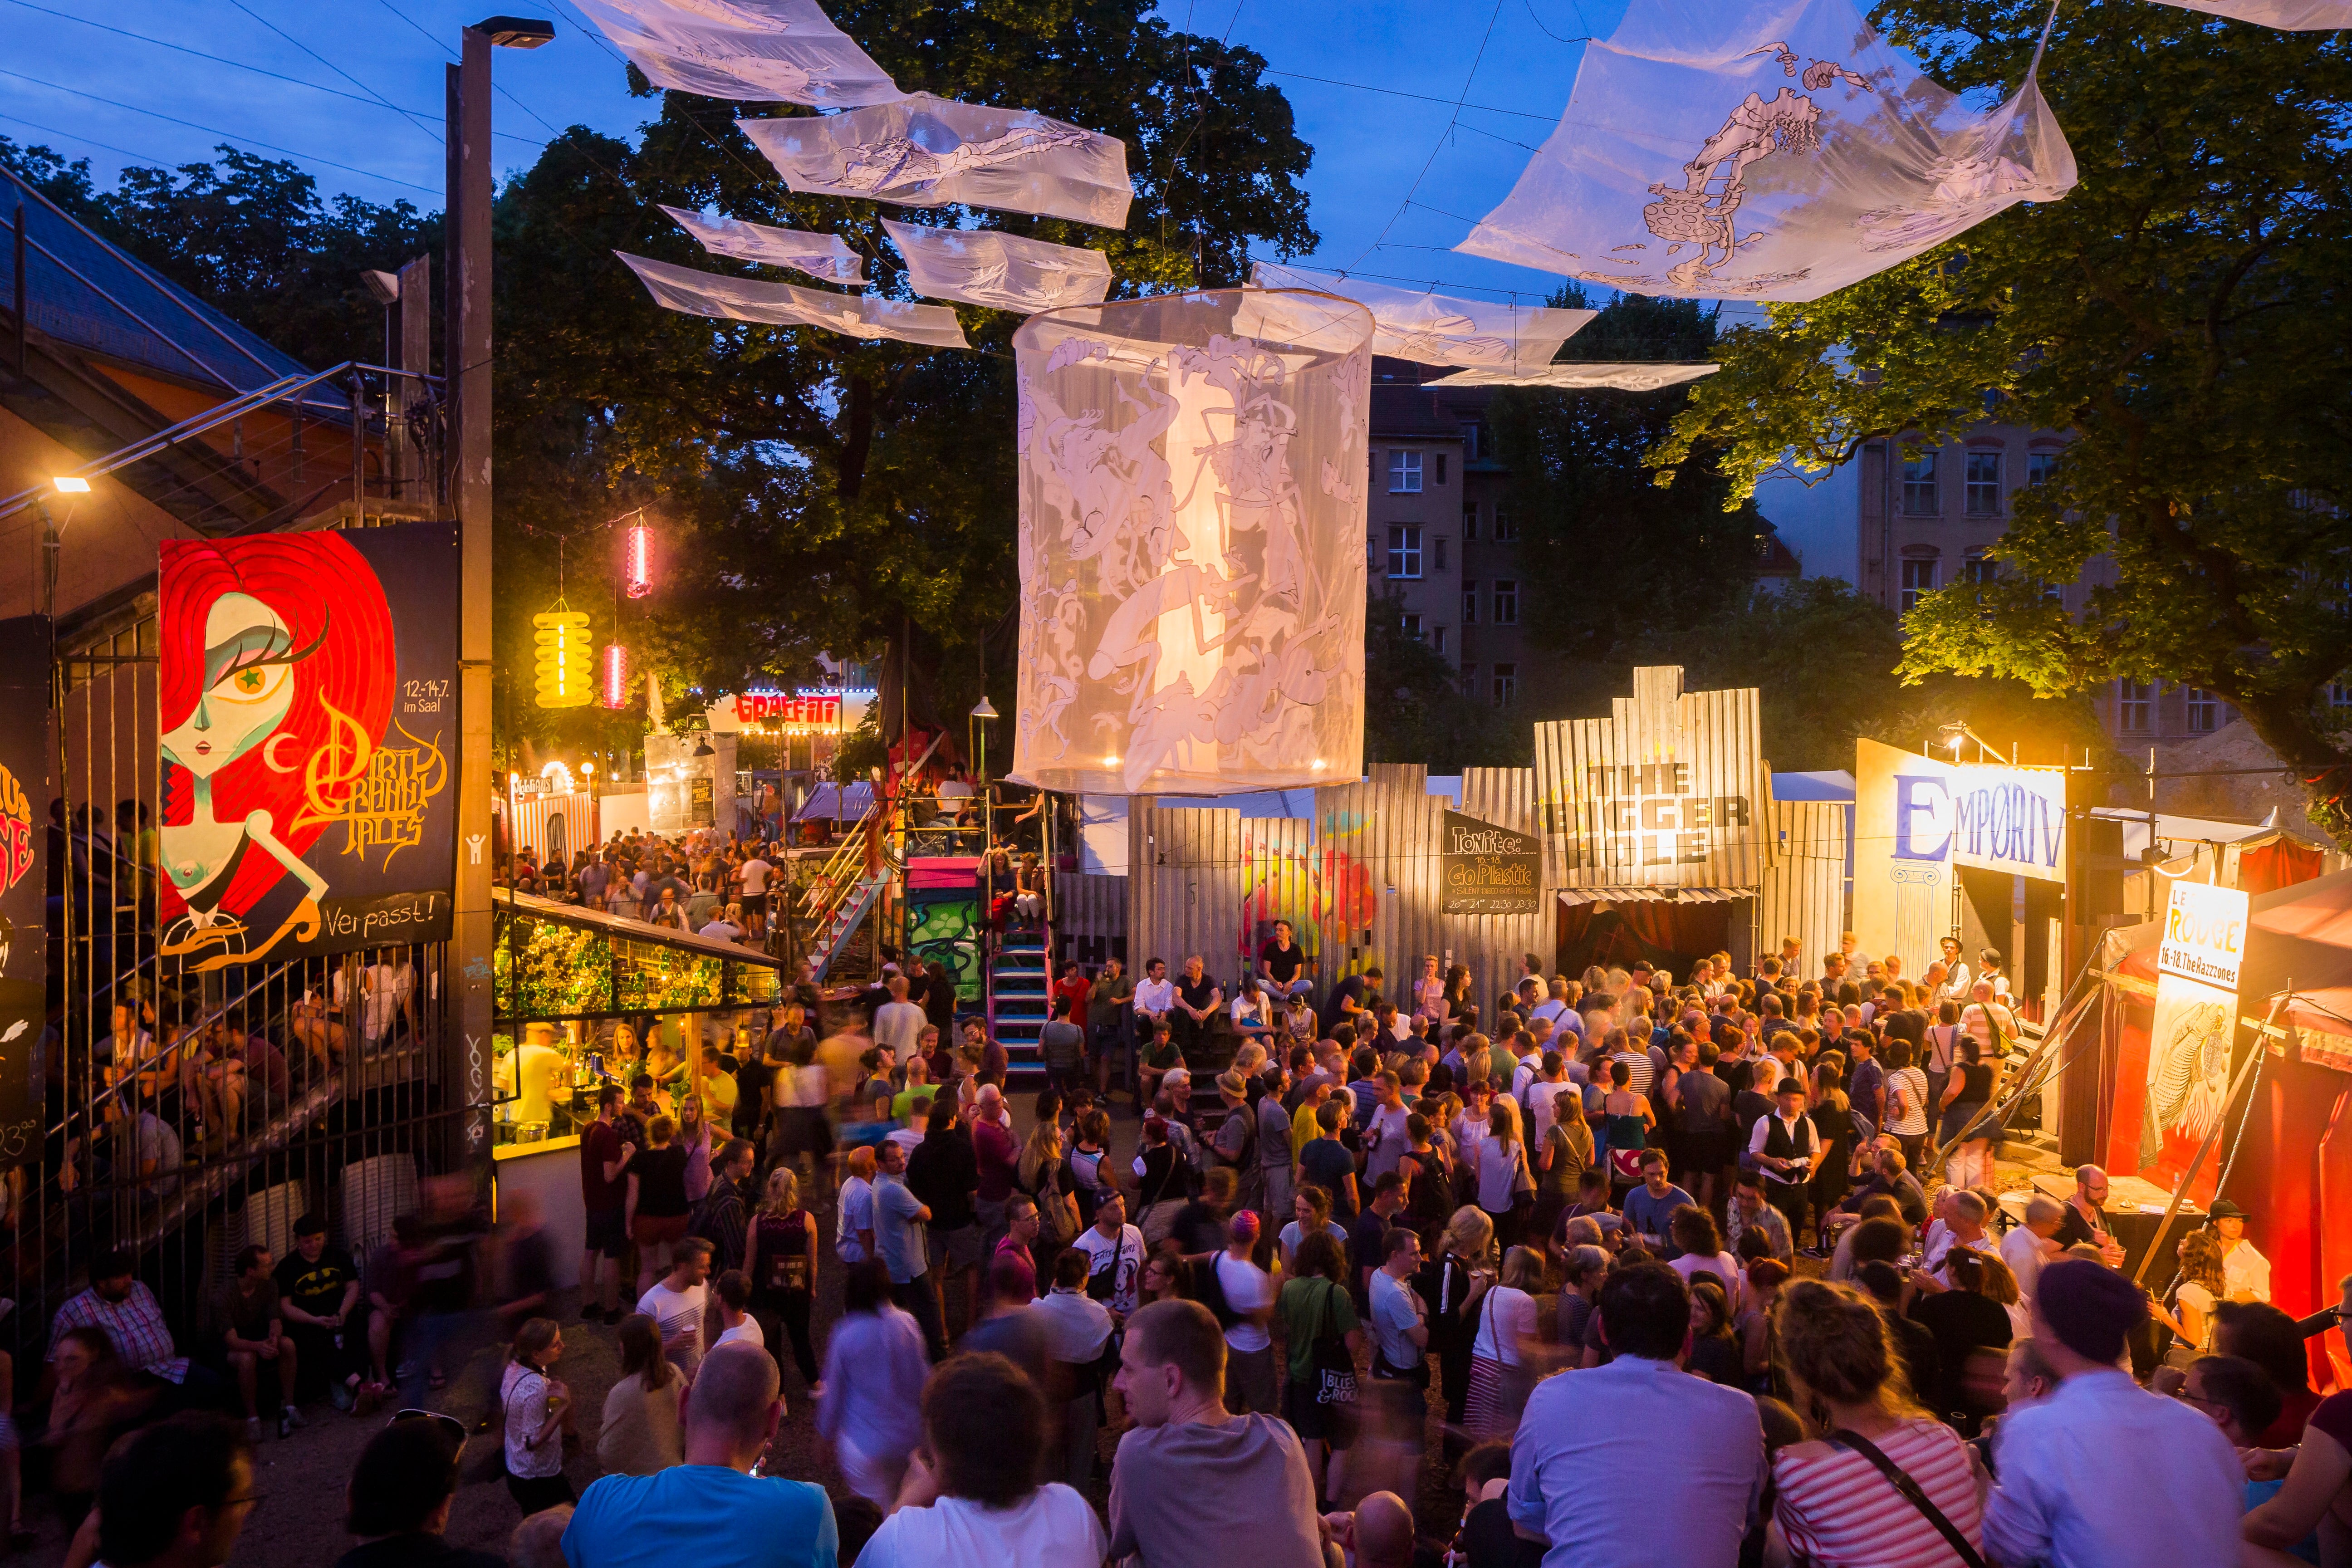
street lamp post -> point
(983, 713)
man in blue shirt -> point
(637, 1521)
(1640, 1414)
(902, 1236)
(1650, 1207)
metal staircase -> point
(1020, 987)
(843, 893)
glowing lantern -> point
(639, 564)
(564, 664)
(616, 675)
(1191, 543)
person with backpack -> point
(1242, 1296)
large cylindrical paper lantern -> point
(1194, 470)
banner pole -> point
(2237, 1083)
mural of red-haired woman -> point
(276, 668)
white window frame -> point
(1907, 598)
(1469, 601)
(1404, 473)
(1411, 622)
(1507, 601)
(1506, 685)
(2202, 710)
(1919, 485)
(1469, 521)
(1507, 528)
(2135, 705)
(1405, 552)
(1982, 496)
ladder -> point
(842, 922)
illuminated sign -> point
(811, 711)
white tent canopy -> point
(1002, 271)
(924, 151)
(822, 256)
(1779, 151)
(766, 51)
(1633, 376)
(2288, 16)
(683, 289)
(1437, 329)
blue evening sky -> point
(1397, 177)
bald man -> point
(2085, 1219)
(1379, 1534)
(2030, 1246)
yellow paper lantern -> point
(565, 664)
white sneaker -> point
(288, 1418)
(253, 1429)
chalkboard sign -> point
(1490, 870)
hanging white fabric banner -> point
(693, 293)
(1771, 152)
(1436, 329)
(924, 152)
(822, 256)
(1003, 272)
(1191, 543)
(768, 51)
(1637, 377)
(2287, 15)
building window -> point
(1984, 484)
(1918, 577)
(1507, 527)
(1919, 486)
(1469, 602)
(1980, 571)
(1404, 550)
(2038, 466)
(1437, 553)
(2135, 706)
(1404, 473)
(1506, 685)
(1441, 468)
(2204, 711)
(1470, 679)
(1437, 638)
(1412, 626)
(1506, 602)
(1469, 521)
(1473, 442)
(2339, 696)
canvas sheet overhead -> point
(2288, 16)
(768, 51)
(1191, 543)
(1589, 376)
(1002, 271)
(826, 257)
(306, 688)
(1436, 329)
(924, 151)
(1771, 152)
(683, 289)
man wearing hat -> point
(1236, 1144)
(2246, 1272)
(2103, 1474)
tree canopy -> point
(2181, 316)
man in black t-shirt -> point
(1282, 964)
(317, 1296)
(1197, 1000)
(1351, 1000)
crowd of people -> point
(1625, 1270)
(701, 883)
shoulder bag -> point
(1912, 1494)
(1335, 1373)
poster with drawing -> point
(2198, 959)
(24, 752)
(308, 687)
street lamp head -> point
(516, 32)
(983, 709)
(702, 747)
(71, 485)
(384, 287)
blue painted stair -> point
(1018, 1005)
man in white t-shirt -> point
(1114, 1247)
(2028, 1246)
(736, 1324)
(677, 1303)
(899, 1022)
(1555, 1006)
(1549, 1082)
(1251, 1385)
(1385, 1138)
(756, 872)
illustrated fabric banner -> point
(24, 791)
(924, 151)
(768, 51)
(1779, 152)
(2192, 1033)
(1191, 544)
(1002, 271)
(307, 690)
(692, 293)
(1590, 375)
(826, 257)
(1436, 329)
(2287, 15)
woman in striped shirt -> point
(1837, 1507)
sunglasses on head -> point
(450, 1426)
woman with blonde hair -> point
(1429, 991)
(537, 1408)
(1506, 1185)
(1450, 1284)
(1839, 1503)
(2202, 1287)
(780, 1260)
(1045, 1175)
(640, 1435)
(1503, 1347)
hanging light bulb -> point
(616, 675)
(564, 664)
(639, 561)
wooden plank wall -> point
(1377, 844)
(1089, 917)
(1491, 945)
(1194, 876)
(1715, 733)
(1803, 893)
